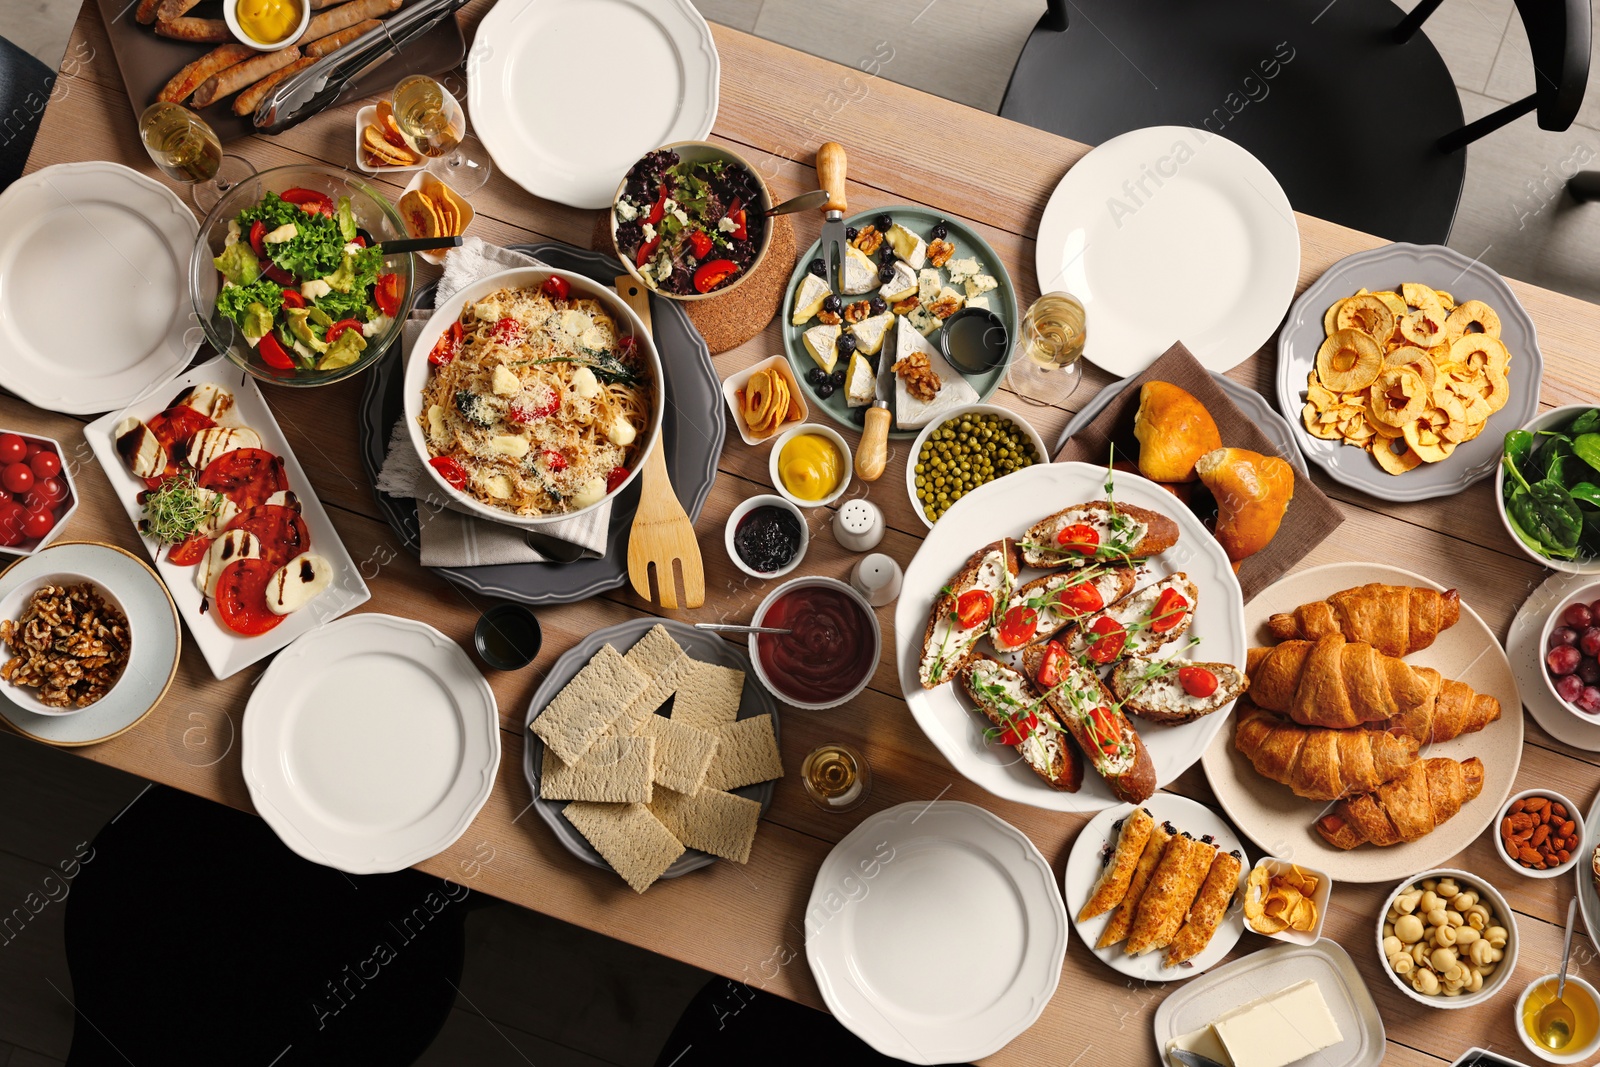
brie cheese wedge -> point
(860, 381)
(902, 285)
(912, 413)
(860, 273)
(908, 246)
(822, 342)
(808, 299)
(870, 332)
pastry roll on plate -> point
(1120, 865)
(1117, 929)
(1205, 915)
(1173, 887)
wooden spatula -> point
(662, 533)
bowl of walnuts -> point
(66, 643)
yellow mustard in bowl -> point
(268, 21)
(810, 466)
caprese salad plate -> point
(227, 515)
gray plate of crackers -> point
(687, 695)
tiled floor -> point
(613, 1004)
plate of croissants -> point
(1382, 727)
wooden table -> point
(777, 106)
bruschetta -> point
(1138, 624)
(1175, 690)
(1100, 531)
(1044, 607)
(1080, 700)
(1021, 720)
(964, 611)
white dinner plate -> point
(532, 59)
(1084, 864)
(1588, 898)
(155, 641)
(935, 932)
(1005, 508)
(94, 299)
(226, 652)
(1284, 824)
(371, 744)
(1565, 724)
(1171, 234)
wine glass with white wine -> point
(434, 123)
(1048, 349)
(188, 150)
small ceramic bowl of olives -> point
(969, 447)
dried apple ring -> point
(1348, 361)
(1366, 313)
(1313, 418)
(1393, 302)
(1499, 389)
(1392, 461)
(1399, 357)
(1424, 327)
(1480, 350)
(1472, 313)
(1397, 396)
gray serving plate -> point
(1385, 268)
(1252, 403)
(703, 646)
(693, 435)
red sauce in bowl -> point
(830, 650)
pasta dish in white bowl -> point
(533, 396)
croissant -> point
(1454, 710)
(1395, 619)
(1317, 763)
(1335, 683)
(1428, 794)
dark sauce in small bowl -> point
(975, 340)
(767, 538)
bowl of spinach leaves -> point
(1548, 488)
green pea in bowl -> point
(1550, 502)
(971, 455)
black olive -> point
(846, 343)
(876, 304)
(816, 375)
(883, 222)
(831, 302)
(836, 379)
(850, 233)
(825, 390)
(818, 267)
(940, 231)
(886, 273)
(859, 415)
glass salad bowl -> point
(376, 220)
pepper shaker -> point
(877, 577)
(858, 525)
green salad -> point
(1551, 490)
(302, 284)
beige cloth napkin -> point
(1311, 516)
(450, 535)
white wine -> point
(180, 142)
(429, 115)
(1053, 331)
(836, 777)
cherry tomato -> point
(1170, 610)
(973, 607)
(1018, 625)
(1080, 537)
(700, 243)
(1110, 641)
(387, 295)
(274, 354)
(258, 231)
(36, 524)
(34, 448)
(189, 551)
(646, 250)
(617, 476)
(340, 327)
(45, 464)
(12, 516)
(17, 477)
(273, 272)
(1197, 681)
(1107, 730)
(292, 298)
(1078, 600)
(51, 489)
(737, 213)
(554, 460)
(450, 470)
(308, 200)
(712, 274)
(659, 208)
(359, 241)
(626, 346)
(1052, 667)
(556, 288)
(1019, 729)
(448, 346)
(506, 332)
(13, 449)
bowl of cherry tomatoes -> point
(36, 492)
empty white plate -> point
(644, 72)
(370, 744)
(936, 932)
(94, 306)
(1171, 234)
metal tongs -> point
(302, 95)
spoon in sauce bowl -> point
(1556, 1019)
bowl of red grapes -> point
(1572, 651)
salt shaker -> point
(877, 577)
(858, 525)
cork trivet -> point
(729, 321)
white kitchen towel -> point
(451, 536)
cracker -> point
(592, 701)
(654, 652)
(708, 696)
(711, 821)
(632, 840)
(615, 770)
(682, 753)
(651, 697)
(747, 753)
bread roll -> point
(1253, 491)
(1174, 430)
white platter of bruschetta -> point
(1069, 638)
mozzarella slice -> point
(209, 444)
(223, 511)
(209, 399)
(285, 498)
(297, 583)
(591, 492)
(140, 449)
(954, 391)
(808, 301)
(231, 546)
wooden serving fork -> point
(662, 533)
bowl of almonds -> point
(1540, 834)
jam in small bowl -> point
(832, 651)
(766, 536)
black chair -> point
(1350, 108)
(195, 937)
(24, 90)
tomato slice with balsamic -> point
(242, 596)
(246, 476)
(174, 426)
(189, 551)
(1018, 625)
(974, 607)
(281, 531)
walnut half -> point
(921, 381)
